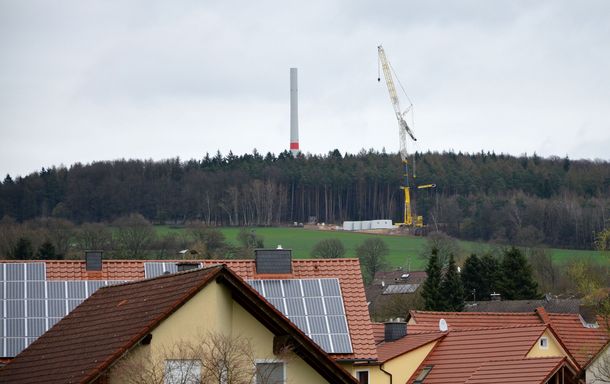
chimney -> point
(294, 113)
(187, 265)
(496, 297)
(588, 314)
(394, 330)
(273, 261)
(93, 260)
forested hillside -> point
(526, 200)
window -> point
(363, 377)
(182, 372)
(270, 373)
(544, 343)
(422, 375)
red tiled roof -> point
(582, 342)
(97, 333)
(460, 353)
(520, 371)
(121, 270)
(426, 321)
(378, 332)
(350, 279)
(390, 350)
(346, 270)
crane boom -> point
(403, 127)
(403, 130)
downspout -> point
(386, 372)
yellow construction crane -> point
(403, 130)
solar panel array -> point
(313, 305)
(154, 269)
(31, 305)
(400, 288)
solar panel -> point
(315, 306)
(35, 271)
(400, 288)
(155, 269)
(32, 305)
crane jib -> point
(410, 218)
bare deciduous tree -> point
(445, 246)
(328, 249)
(94, 236)
(209, 242)
(372, 254)
(9, 236)
(133, 234)
(211, 357)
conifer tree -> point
(47, 251)
(452, 290)
(23, 249)
(472, 278)
(517, 282)
(431, 291)
(490, 277)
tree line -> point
(128, 237)
(484, 196)
(510, 277)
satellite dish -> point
(442, 325)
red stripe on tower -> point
(294, 112)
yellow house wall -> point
(401, 367)
(554, 348)
(297, 370)
(213, 310)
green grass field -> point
(404, 250)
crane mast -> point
(403, 130)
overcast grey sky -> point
(99, 80)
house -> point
(550, 304)
(583, 340)
(524, 354)
(39, 293)
(392, 293)
(598, 369)
(440, 354)
(161, 328)
(401, 357)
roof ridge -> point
(475, 313)
(423, 332)
(499, 327)
(437, 334)
(562, 314)
(169, 275)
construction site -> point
(412, 223)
